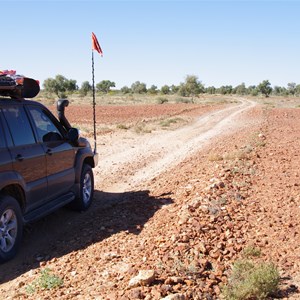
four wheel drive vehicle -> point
(44, 164)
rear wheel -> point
(86, 194)
(11, 227)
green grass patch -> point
(46, 280)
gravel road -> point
(128, 160)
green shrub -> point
(251, 281)
(161, 100)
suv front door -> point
(60, 155)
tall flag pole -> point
(95, 46)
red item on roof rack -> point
(17, 86)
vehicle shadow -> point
(65, 231)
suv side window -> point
(46, 129)
(19, 126)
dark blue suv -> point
(44, 165)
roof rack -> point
(18, 87)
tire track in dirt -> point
(124, 167)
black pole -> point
(94, 105)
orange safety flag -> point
(96, 45)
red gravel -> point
(188, 226)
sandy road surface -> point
(127, 162)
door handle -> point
(19, 157)
(49, 151)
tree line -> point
(192, 86)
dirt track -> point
(131, 159)
(158, 207)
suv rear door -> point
(28, 156)
(5, 159)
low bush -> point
(251, 281)
(161, 100)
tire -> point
(86, 193)
(11, 228)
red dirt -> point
(188, 224)
(118, 114)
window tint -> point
(47, 131)
(19, 125)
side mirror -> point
(73, 135)
(52, 137)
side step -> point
(48, 208)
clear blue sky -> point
(155, 42)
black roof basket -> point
(19, 87)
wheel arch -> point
(83, 157)
(15, 191)
(12, 184)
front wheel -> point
(86, 193)
(11, 227)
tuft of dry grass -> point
(142, 128)
(123, 127)
(215, 157)
(236, 155)
(251, 251)
(169, 122)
